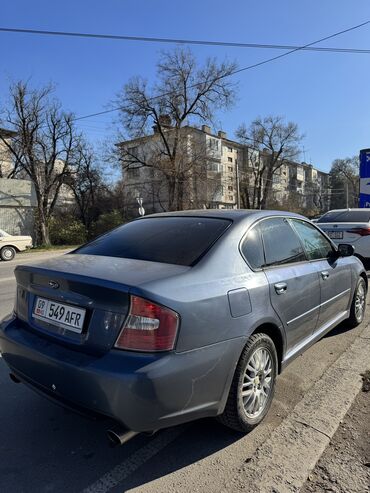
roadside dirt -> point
(345, 465)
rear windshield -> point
(346, 217)
(172, 240)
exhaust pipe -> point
(13, 378)
(120, 437)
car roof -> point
(232, 214)
(354, 209)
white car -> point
(349, 226)
(10, 245)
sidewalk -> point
(344, 467)
(290, 455)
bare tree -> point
(271, 143)
(43, 148)
(344, 181)
(86, 184)
(185, 93)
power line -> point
(148, 39)
(237, 71)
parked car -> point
(179, 316)
(11, 244)
(349, 226)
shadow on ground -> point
(45, 448)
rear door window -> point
(173, 240)
(282, 245)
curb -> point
(283, 463)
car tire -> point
(7, 253)
(358, 305)
(254, 377)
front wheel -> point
(357, 312)
(253, 385)
(7, 253)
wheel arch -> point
(10, 245)
(275, 333)
(364, 277)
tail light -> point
(359, 231)
(148, 327)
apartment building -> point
(6, 163)
(218, 166)
(212, 161)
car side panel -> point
(335, 288)
(206, 313)
(297, 306)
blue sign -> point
(365, 178)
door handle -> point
(280, 287)
(325, 274)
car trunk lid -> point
(95, 287)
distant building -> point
(17, 206)
(214, 179)
(6, 161)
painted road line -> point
(122, 471)
(8, 279)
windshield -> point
(346, 217)
(3, 233)
(172, 240)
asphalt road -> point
(45, 449)
(7, 280)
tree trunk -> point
(267, 188)
(42, 228)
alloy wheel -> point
(257, 381)
(360, 301)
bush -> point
(106, 222)
(67, 230)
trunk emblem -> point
(54, 284)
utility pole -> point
(347, 195)
(237, 183)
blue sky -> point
(327, 94)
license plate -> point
(335, 235)
(66, 316)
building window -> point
(230, 187)
(133, 151)
(230, 149)
(134, 172)
(213, 144)
(230, 168)
(230, 159)
(231, 197)
(213, 167)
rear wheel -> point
(253, 385)
(358, 303)
(7, 253)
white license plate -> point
(335, 235)
(66, 316)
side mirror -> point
(345, 250)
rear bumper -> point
(142, 391)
